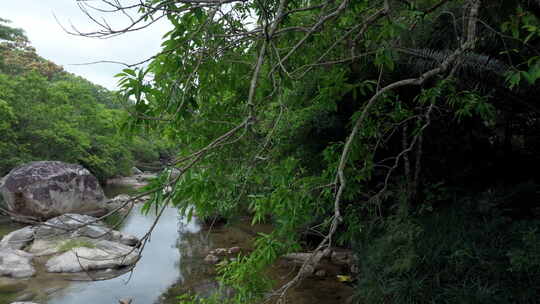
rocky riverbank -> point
(193, 246)
(218, 245)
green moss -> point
(76, 243)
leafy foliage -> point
(354, 121)
(469, 253)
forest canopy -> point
(47, 113)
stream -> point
(172, 264)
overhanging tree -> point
(313, 114)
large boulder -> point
(46, 189)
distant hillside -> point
(47, 113)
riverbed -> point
(160, 266)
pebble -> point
(234, 250)
(321, 273)
(211, 259)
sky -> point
(37, 18)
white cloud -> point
(36, 17)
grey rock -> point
(46, 189)
(77, 225)
(321, 273)
(24, 303)
(219, 252)
(50, 236)
(45, 247)
(18, 239)
(124, 238)
(106, 254)
(71, 224)
(211, 259)
(120, 203)
(121, 198)
(234, 250)
(16, 263)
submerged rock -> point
(46, 189)
(16, 263)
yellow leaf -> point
(344, 278)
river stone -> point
(72, 225)
(76, 225)
(211, 259)
(45, 189)
(18, 239)
(120, 203)
(124, 238)
(16, 263)
(105, 255)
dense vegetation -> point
(49, 114)
(407, 130)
